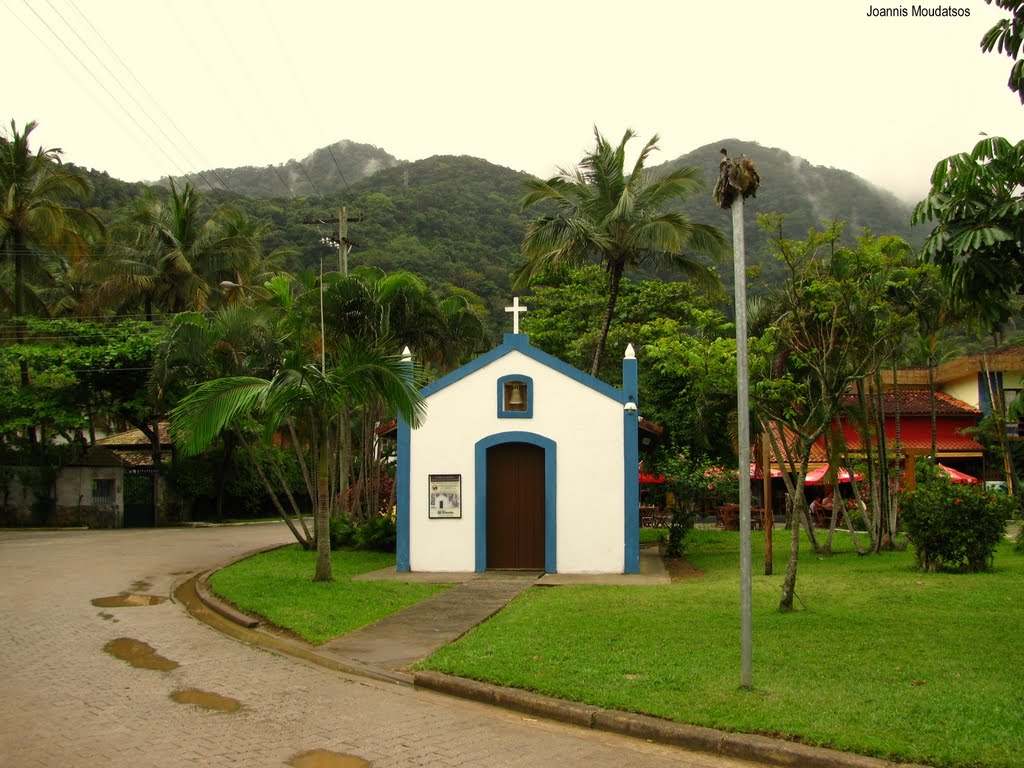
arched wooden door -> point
(515, 506)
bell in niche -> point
(515, 399)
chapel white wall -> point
(588, 429)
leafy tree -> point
(616, 218)
(834, 323)
(1007, 36)
(81, 372)
(977, 204)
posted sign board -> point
(445, 494)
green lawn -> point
(878, 659)
(278, 585)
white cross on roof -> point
(515, 309)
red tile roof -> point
(916, 401)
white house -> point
(522, 462)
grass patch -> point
(278, 585)
(652, 535)
(879, 659)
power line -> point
(131, 74)
(118, 81)
(105, 89)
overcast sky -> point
(145, 89)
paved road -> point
(68, 702)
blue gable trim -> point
(402, 498)
(521, 343)
(550, 495)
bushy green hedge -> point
(954, 527)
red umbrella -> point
(957, 476)
(651, 479)
(817, 476)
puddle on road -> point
(206, 700)
(323, 758)
(128, 601)
(138, 654)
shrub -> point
(688, 484)
(379, 534)
(342, 532)
(954, 527)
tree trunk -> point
(933, 400)
(323, 514)
(19, 312)
(305, 543)
(789, 582)
(222, 476)
(615, 271)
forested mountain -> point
(456, 220)
(328, 169)
(807, 195)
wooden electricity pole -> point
(340, 241)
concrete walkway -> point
(397, 641)
(402, 638)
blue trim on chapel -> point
(550, 494)
(402, 564)
(631, 466)
(520, 342)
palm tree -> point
(232, 341)
(617, 219)
(35, 225)
(308, 395)
(173, 255)
(33, 219)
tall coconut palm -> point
(174, 253)
(34, 220)
(35, 224)
(619, 219)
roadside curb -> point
(761, 749)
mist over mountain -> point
(328, 169)
(456, 220)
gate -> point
(139, 507)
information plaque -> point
(445, 496)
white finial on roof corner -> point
(406, 355)
(630, 352)
(515, 309)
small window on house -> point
(102, 492)
(515, 397)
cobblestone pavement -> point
(67, 702)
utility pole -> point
(339, 241)
(738, 180)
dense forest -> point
(222, 305)
(456, 220)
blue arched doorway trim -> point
(550, 488)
